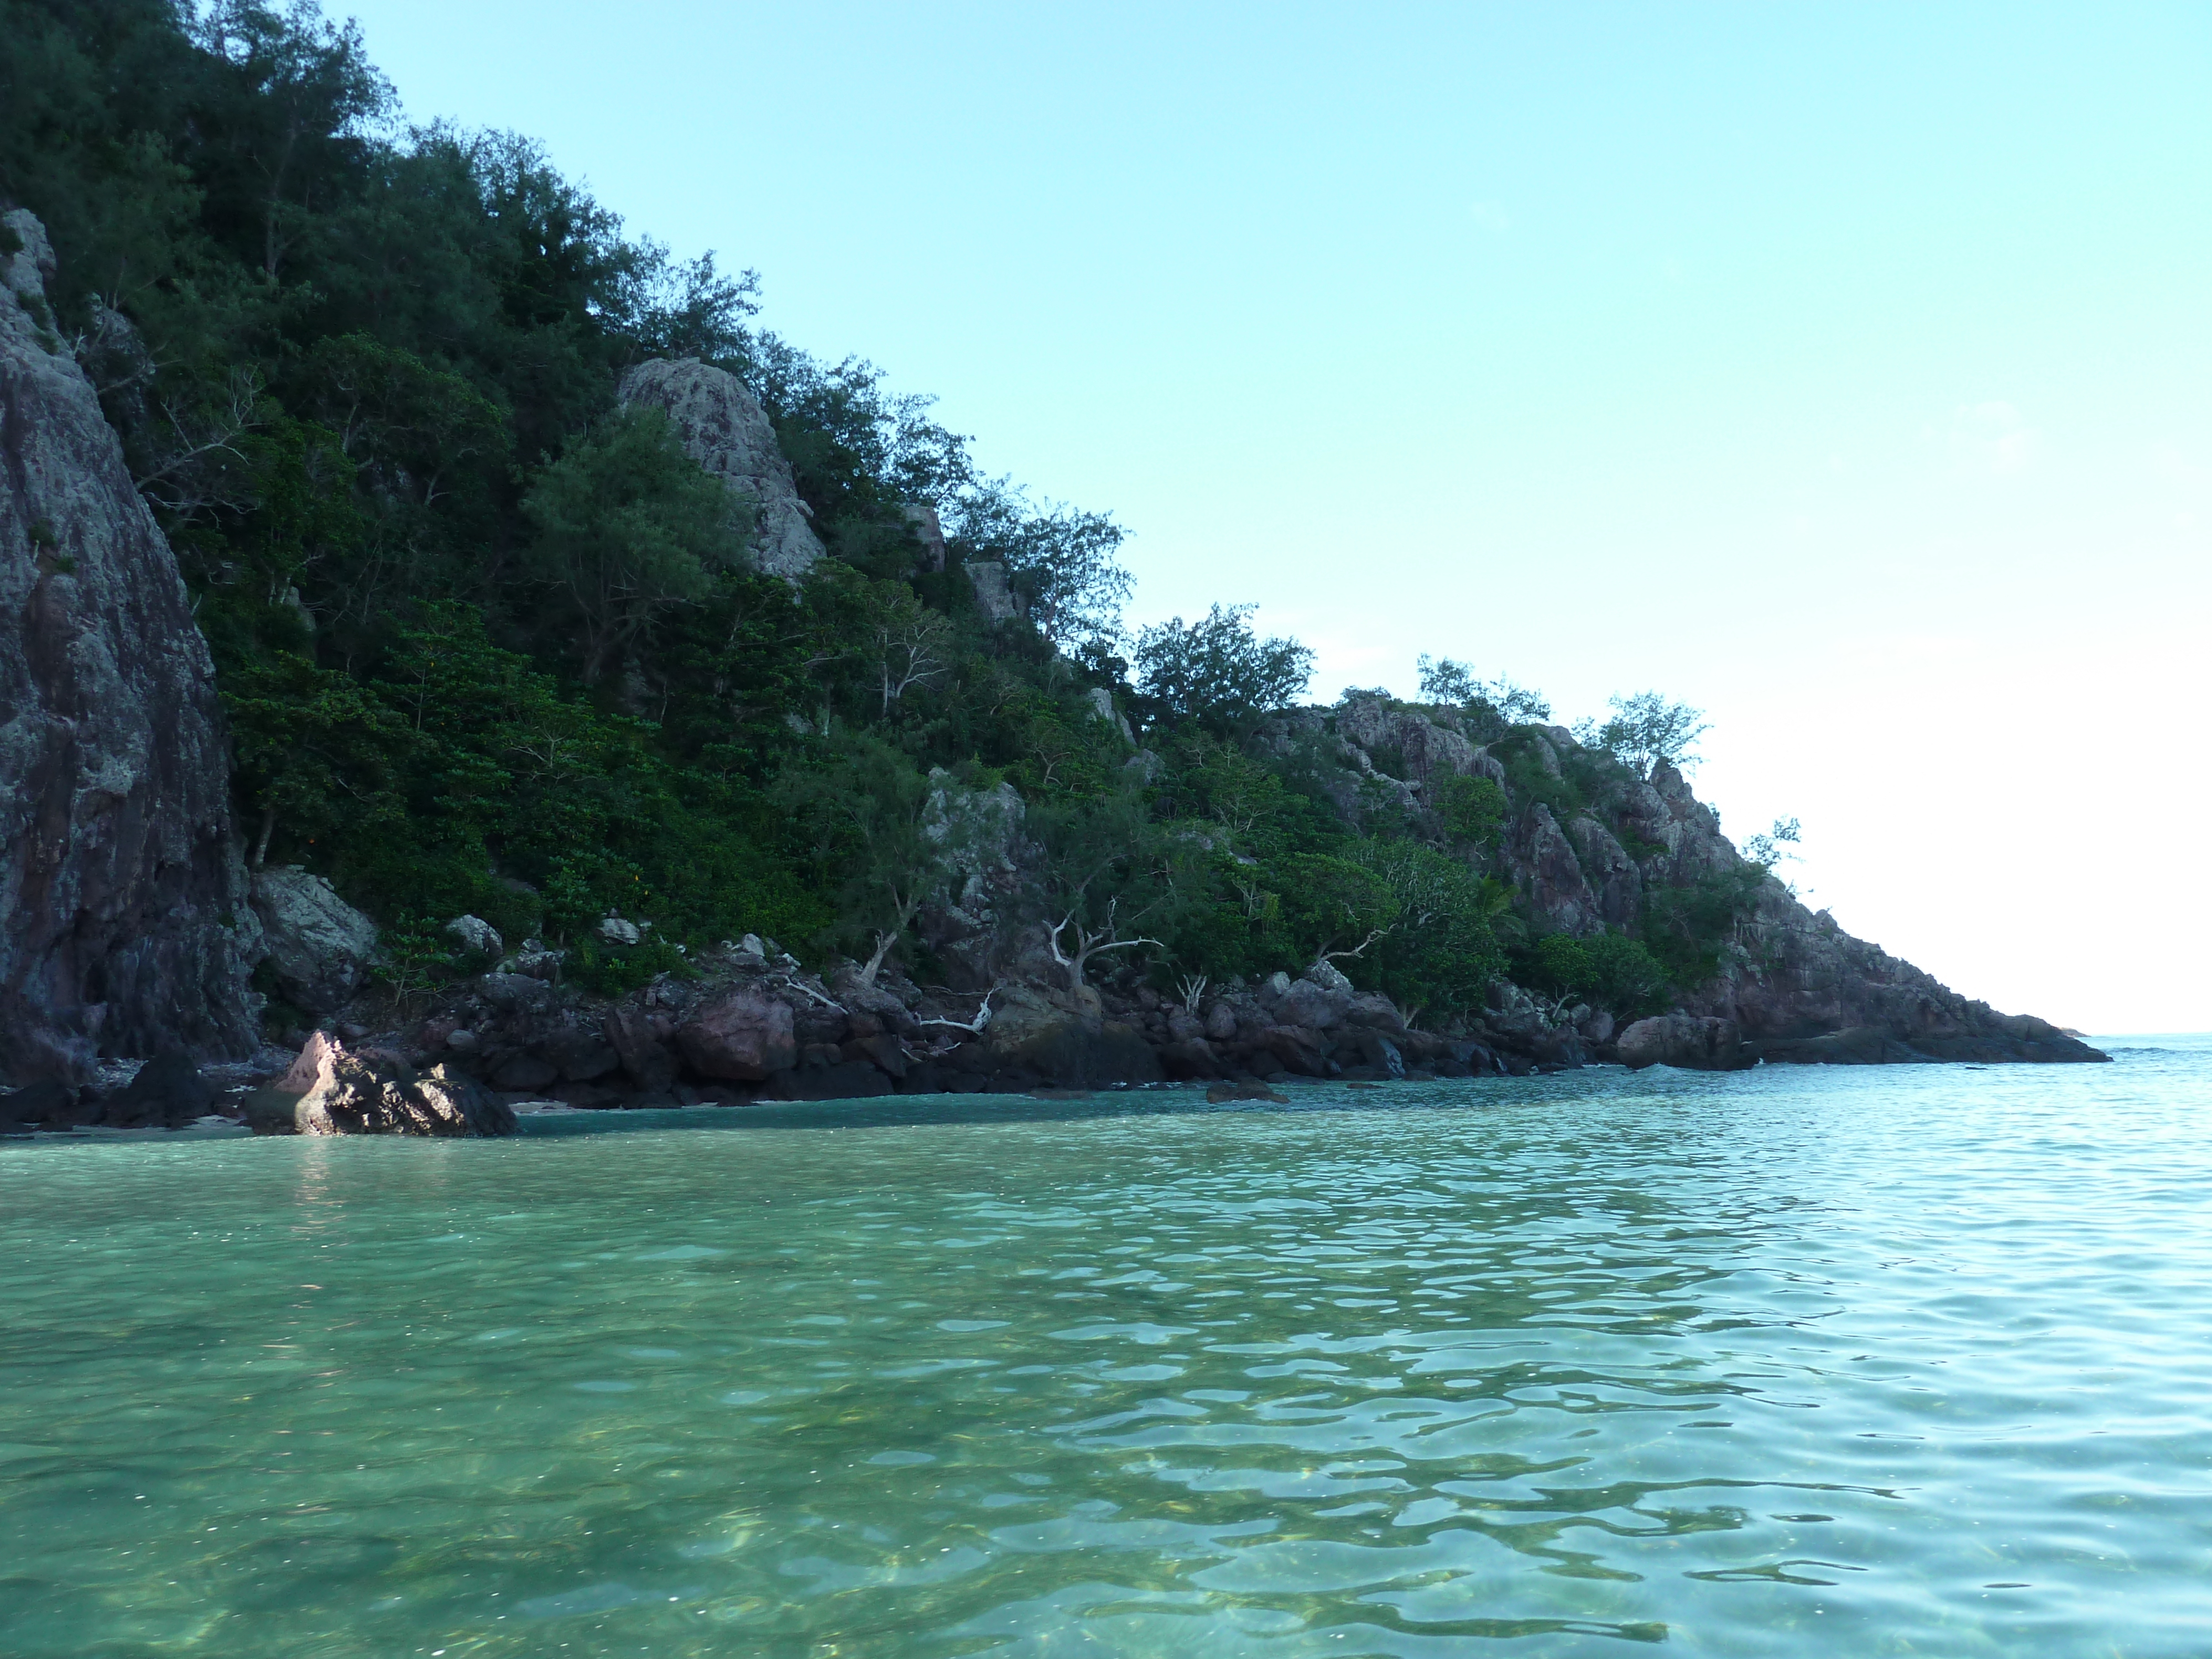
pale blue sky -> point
(1843, 370)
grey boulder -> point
(743, 1036)
(320, 946)
(475, 935)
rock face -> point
(725, 430)
(167, 1093)
(978, 833)
(127, 926)
(743, 1036)
(994, 594)
(320, 946)
(1816, 994)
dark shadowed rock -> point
(845, 1079)
(1863, 1045)
(1075, 1053)
(580, 1053)
(1293, 1048)
(1315, 1007)
(1221, 1093)
(1190, 1060)
(884, 1051)
(744, 1036)
(526, 1072)
(1378, 1051)
(127, 929)
(1685, 1040)
(167, 1093)
(515, 993)
(640, 1041)
(47, 1104)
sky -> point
(1842, 371)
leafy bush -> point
(615, 971)
(1471, 810)
(1690, 929)
(1609, 970)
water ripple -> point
(1819, 1363)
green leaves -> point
(1610, 970)
(1470, 810)
(1646, 729)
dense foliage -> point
(490, 643)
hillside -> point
(452, 571)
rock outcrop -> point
(369, 1093)
(744, 1035)
(994, 592)
(128, 929)
(1589, 845)
(725, 430)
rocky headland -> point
(152, 975)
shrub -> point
(1609, 970)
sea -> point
(1850, 1361)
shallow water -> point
(1850, 1361)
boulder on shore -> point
(167, 1093)
(744, 1036)
(1694, 1042)
(371, 1093)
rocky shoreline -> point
(744, 1028)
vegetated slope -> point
(542, 587)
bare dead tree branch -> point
(974, 1027)
(1358, 950)
(1091, 942)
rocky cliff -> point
(128, 929)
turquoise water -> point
(1850, 1361)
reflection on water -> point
(1900, 1360)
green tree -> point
(1471, 810)
(1646, 729)
(628, 526)
(862, 808)
(1064, 565)
(1107, 872)
(1216, 672)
